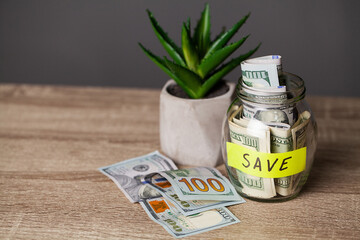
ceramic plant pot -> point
(190, 129)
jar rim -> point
(294, 92)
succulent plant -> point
(196, 65)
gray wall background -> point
(88, 42)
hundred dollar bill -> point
(282, 115)
(146, 191)
(281, 141)
(201, 183)
(253, 135)
(261, 72)
(271, 108)
(298, 132)
(127, 174)
(269, 59)
(244, 122)
(264, 96)
(179, 225)
(186, 207)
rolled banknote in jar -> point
(262, 72)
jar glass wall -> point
(278, 129)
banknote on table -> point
(253, 135)
(201, 183)
(179, 225)
(186, 207)
(127, 174)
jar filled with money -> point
(269, 134)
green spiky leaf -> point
(202, 32)
(189, 50)
(225, 69)
(171, 48)
(214, 60)
(162, 64)
(223, 30)
(157, 60)
(188, 24)
(224, 39)
(189, 78)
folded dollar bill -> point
(179, 225)
(127, 174)
(186, 207)
(254, 135)
(145, 179)
(200, 183)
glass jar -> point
(269, 140)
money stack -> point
(266, 122)
(183, 201)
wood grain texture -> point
(52, 140)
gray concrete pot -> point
(190, 129)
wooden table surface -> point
(53, 139)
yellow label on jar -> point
(266, 165)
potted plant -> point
(194, 102)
